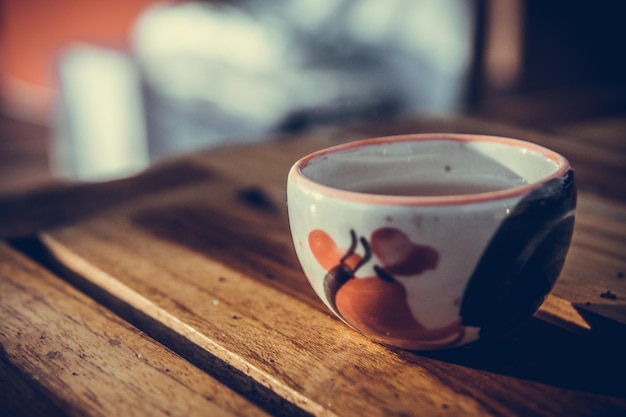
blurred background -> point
(92, 90)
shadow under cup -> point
(434, 240)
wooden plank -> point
(19, 399)
(87, 361)
(610, 316)
(606, 131)
(26, 212)
(544, 109)
(218, 272)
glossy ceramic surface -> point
(435, 240)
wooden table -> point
(177, 292)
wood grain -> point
(18, 398)
(88, 361)
(26, 212)
(197, 254)
(217, 270)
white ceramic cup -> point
(430, 241)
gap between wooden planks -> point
(88, 361)
(220, 276)
(148, 252)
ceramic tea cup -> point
(430, 241)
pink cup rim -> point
(296, 175)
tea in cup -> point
(431, 241)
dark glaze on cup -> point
(523, 259)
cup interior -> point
(432, 165)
